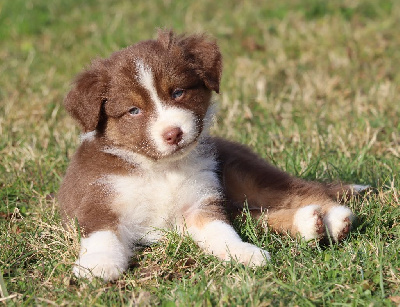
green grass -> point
(312, 85)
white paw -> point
(338, 222)
(101, 265)
(308, 222)
(247, 254)
(220, 239)
(102, 255)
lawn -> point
(311, 85)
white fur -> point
(305, 220)
(357, 188)
(145, 78)
(130, 156)
(102, 254)
(160, 194)
(156, 196)
(166, 117)
(170, 118)
(335, 220)
(221, 240)
(88, 136)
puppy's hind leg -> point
(312, 221)
(305, 221)
(338, 220)
(292, 204)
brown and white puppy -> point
(147, 163)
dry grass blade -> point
(3, 289)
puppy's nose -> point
(172, 136)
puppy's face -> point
(151, 98)
(156, 106)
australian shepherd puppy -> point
(146, 163)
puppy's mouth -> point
(179, 150)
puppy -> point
(146, 163)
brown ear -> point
(89, 91)
(204, 57)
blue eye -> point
(177, 93)
(134, 111)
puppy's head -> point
(152, 97)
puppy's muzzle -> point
(172, 135)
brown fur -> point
(214, 210)
(267, 190)
(100, 100)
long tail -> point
(344, 192)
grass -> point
(311, 85)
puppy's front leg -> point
(219, 238)
(103, 255)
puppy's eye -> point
(177, 93)
(134, 111)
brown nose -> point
(172, 136)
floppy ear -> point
(204, 57)
(89, 92)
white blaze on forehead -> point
(165, 117)
(88, 136)
(146, 79)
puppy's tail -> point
(344, 192)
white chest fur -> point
(158, 195)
